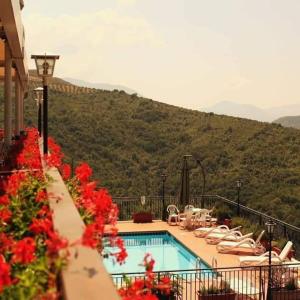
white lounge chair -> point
(235, 236)
(246, 245)
(264, 258)
(204, 231)
(173, 214)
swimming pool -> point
(169, 254)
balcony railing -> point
(237, 283)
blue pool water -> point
(168, 253)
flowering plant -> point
(152, 286)
(28, 264)
(32, 253)
(97, 210)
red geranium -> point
(66, 171)
(23, 251)
(6, 242)
(4, 200)
(41, 226)
(41, 196)
(4, 274)
(83, 172)
(55, 243)
(5, 215)
(14, 182)
(90, 237)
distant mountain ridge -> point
(290, 121)
(253, 112)
(99, 86)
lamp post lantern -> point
(238, 185)
(45, 68)
(270, 229)
(164, 178)
(38, 92)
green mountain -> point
(293, 121)
(129, 141)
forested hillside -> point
(130, 141)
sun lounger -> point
(264, 258)
(236, 236)
(246, 245)
(204, 231)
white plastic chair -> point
(173, 214)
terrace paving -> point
(195, 244)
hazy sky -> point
(191, 53)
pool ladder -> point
(198, 267)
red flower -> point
(5, 215)
(23, 251)
(90, 237)
(83, 172)
(4, 200)
(4, 274)
(44, 212)
(41, 226)
(6, 242)
(29, 156)
(55, 243)
(41, 196)
(164, 285)
(14, 182)
(122, 254)
(66, 171)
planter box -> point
(229, 296)
(142, 217)
(286, 295)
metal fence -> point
(246, 283)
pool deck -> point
(195, 244)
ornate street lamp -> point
(238, 185)
(45, 68)
(38, 93)
(270, 229)
(164, 215)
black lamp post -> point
(238, 185)
(38, 92)
(164, 178)
(270, 229)
(45, 68)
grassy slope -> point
(129, 141)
